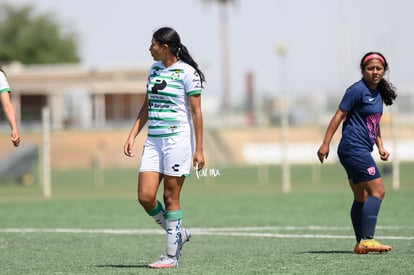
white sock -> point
(173, 237)
(160, 220)
(158, 214)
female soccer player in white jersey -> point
(172, 108)
(8, 108)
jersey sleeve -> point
(4, 85)
(350, 99)
(192, 83)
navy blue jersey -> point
(360, 127)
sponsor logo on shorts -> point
(371, 170)
(176, 167)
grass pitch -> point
(241, 223)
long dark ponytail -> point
(169, 36)
(387, 90)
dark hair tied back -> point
(169, 36)
(387, 90)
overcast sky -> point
(325, 39)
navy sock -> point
(356, 218)
(369, 217)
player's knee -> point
(145, 200)
(169, 200)
(379, 193)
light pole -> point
(281, 51)
(225, 55)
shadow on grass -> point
(326, 252)
(123, 266)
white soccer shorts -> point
(170, 156)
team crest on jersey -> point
(371, 170)
(175, 75)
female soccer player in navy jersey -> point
(360, 112)
(172, 108)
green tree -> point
(34, 39)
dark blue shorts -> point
(360, 168)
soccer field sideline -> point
(223, 231)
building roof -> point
(63, 78)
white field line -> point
(223, 231)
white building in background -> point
(77, 97)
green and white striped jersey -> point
(4, 85)
(168, 91)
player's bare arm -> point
(323, 151)
(196, 114)
(141, 120)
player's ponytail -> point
(185, 56)
(387, 90)
(169, 36)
